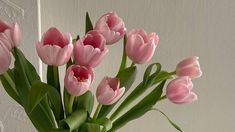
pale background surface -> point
(186, 27)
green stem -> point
(10, 81)
(162, 98)
(70, 106)
(172, 73)
(56, 76)
(97, 111)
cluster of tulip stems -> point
(53, 108)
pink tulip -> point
(111, 26)
(189, 67)
(78, 80)
(179, 90)
(5, 58)
(90, 50)
(109, 91)
(141, 46)
(55, 48)
(10, 34)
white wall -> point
(12, 116)
(186, 27)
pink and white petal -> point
(108, 93)
(187, 61)
(53, 37)
(4, 25)
(67, 38)
(16, 34)
(98, 57)
(146, 53)
(5, 41)
(101, 86)
(64, 54)
(120, 92)
(190, 98)
(177, 93)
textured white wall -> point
(186, 27)
(12, 116)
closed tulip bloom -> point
(111, 26)
(10, 34)
(140, 46)
(189, 67)
(55, 48)
(90, 50)
(109, 91)
(78, 79)
(5, 58)
(179, 90)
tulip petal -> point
(4, 25)
(120, 92)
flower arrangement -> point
(55, 108)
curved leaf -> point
(141, 108)
(148, 81)
(37, 92)
(105, 122)
(86, 102)
(75, 120)
(171, 122)
(8, 83)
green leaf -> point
(75, 120)
(124, 57)
(40, 119)
(105, 122)
(127, 78)
(53, 80)
(90, 127)
(148, 80)
(171, 122)
(86, 102)
(89, 26)
(148, 77)
(25, 75)
(37, 92)
(163, 75)
(53, 77)
(55, 102)
(141, 108)
(8, 83)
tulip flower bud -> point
(189, 67)
(179, 90)
(111, 26)
(5, 58)
(109, 91)
(141, 46)
(90, 50)
(55, 48)
(78, 79)
(10, 34)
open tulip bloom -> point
(70, 108)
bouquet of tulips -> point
(55, 108)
